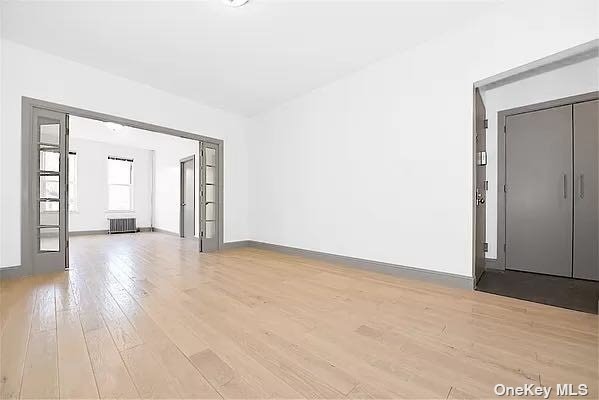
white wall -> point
(28, 72)
(92, 184)
(1, 208)
(567, 81)
(167, 184)
(378, 165)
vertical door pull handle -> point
(565, 186)
(581, 187)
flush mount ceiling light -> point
(235, 3)
(116, 128)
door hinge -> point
(201, 234)
(504, 188)
(486, 246)
(504, 129)
(486, 123)
(486, 185)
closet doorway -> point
(551, 188)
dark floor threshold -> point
(573, 294)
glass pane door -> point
(48, 177)
(209, 202)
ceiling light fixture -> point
(235, 3)
(116, 128)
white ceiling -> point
(90, 129)
(244, 60)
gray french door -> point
(210, 172)
(48, 203)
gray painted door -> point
(188, 197)
(48, 203)
(481, 194)
(209, 201)
(539, 196)
(586, 197)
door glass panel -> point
(49, 239)
(50, 134)
(210, 193)
(211, 175)
(210, 229)
(49, 214)
(49, 160)
(210, 156)
(210, 212)
(49, 186)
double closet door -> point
(552, 191)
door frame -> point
(27, 132)
(182, 184)
(554, 61)
(501, 160)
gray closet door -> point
(539, 196)
(586, 201)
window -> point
(72, 181)
(120, 184)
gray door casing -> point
(480, 191)
(539, 196)
(187, 195)
(586, 196)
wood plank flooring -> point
(146, 316)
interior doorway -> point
(46, 182)
(187, 194)
(549, 217)
(542, 214)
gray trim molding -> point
(160, 230)
(443, 278)
(13, 272)
(573, 55)
(237, 244)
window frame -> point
(129, 185)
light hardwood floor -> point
(145, 315)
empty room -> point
(263, 199)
